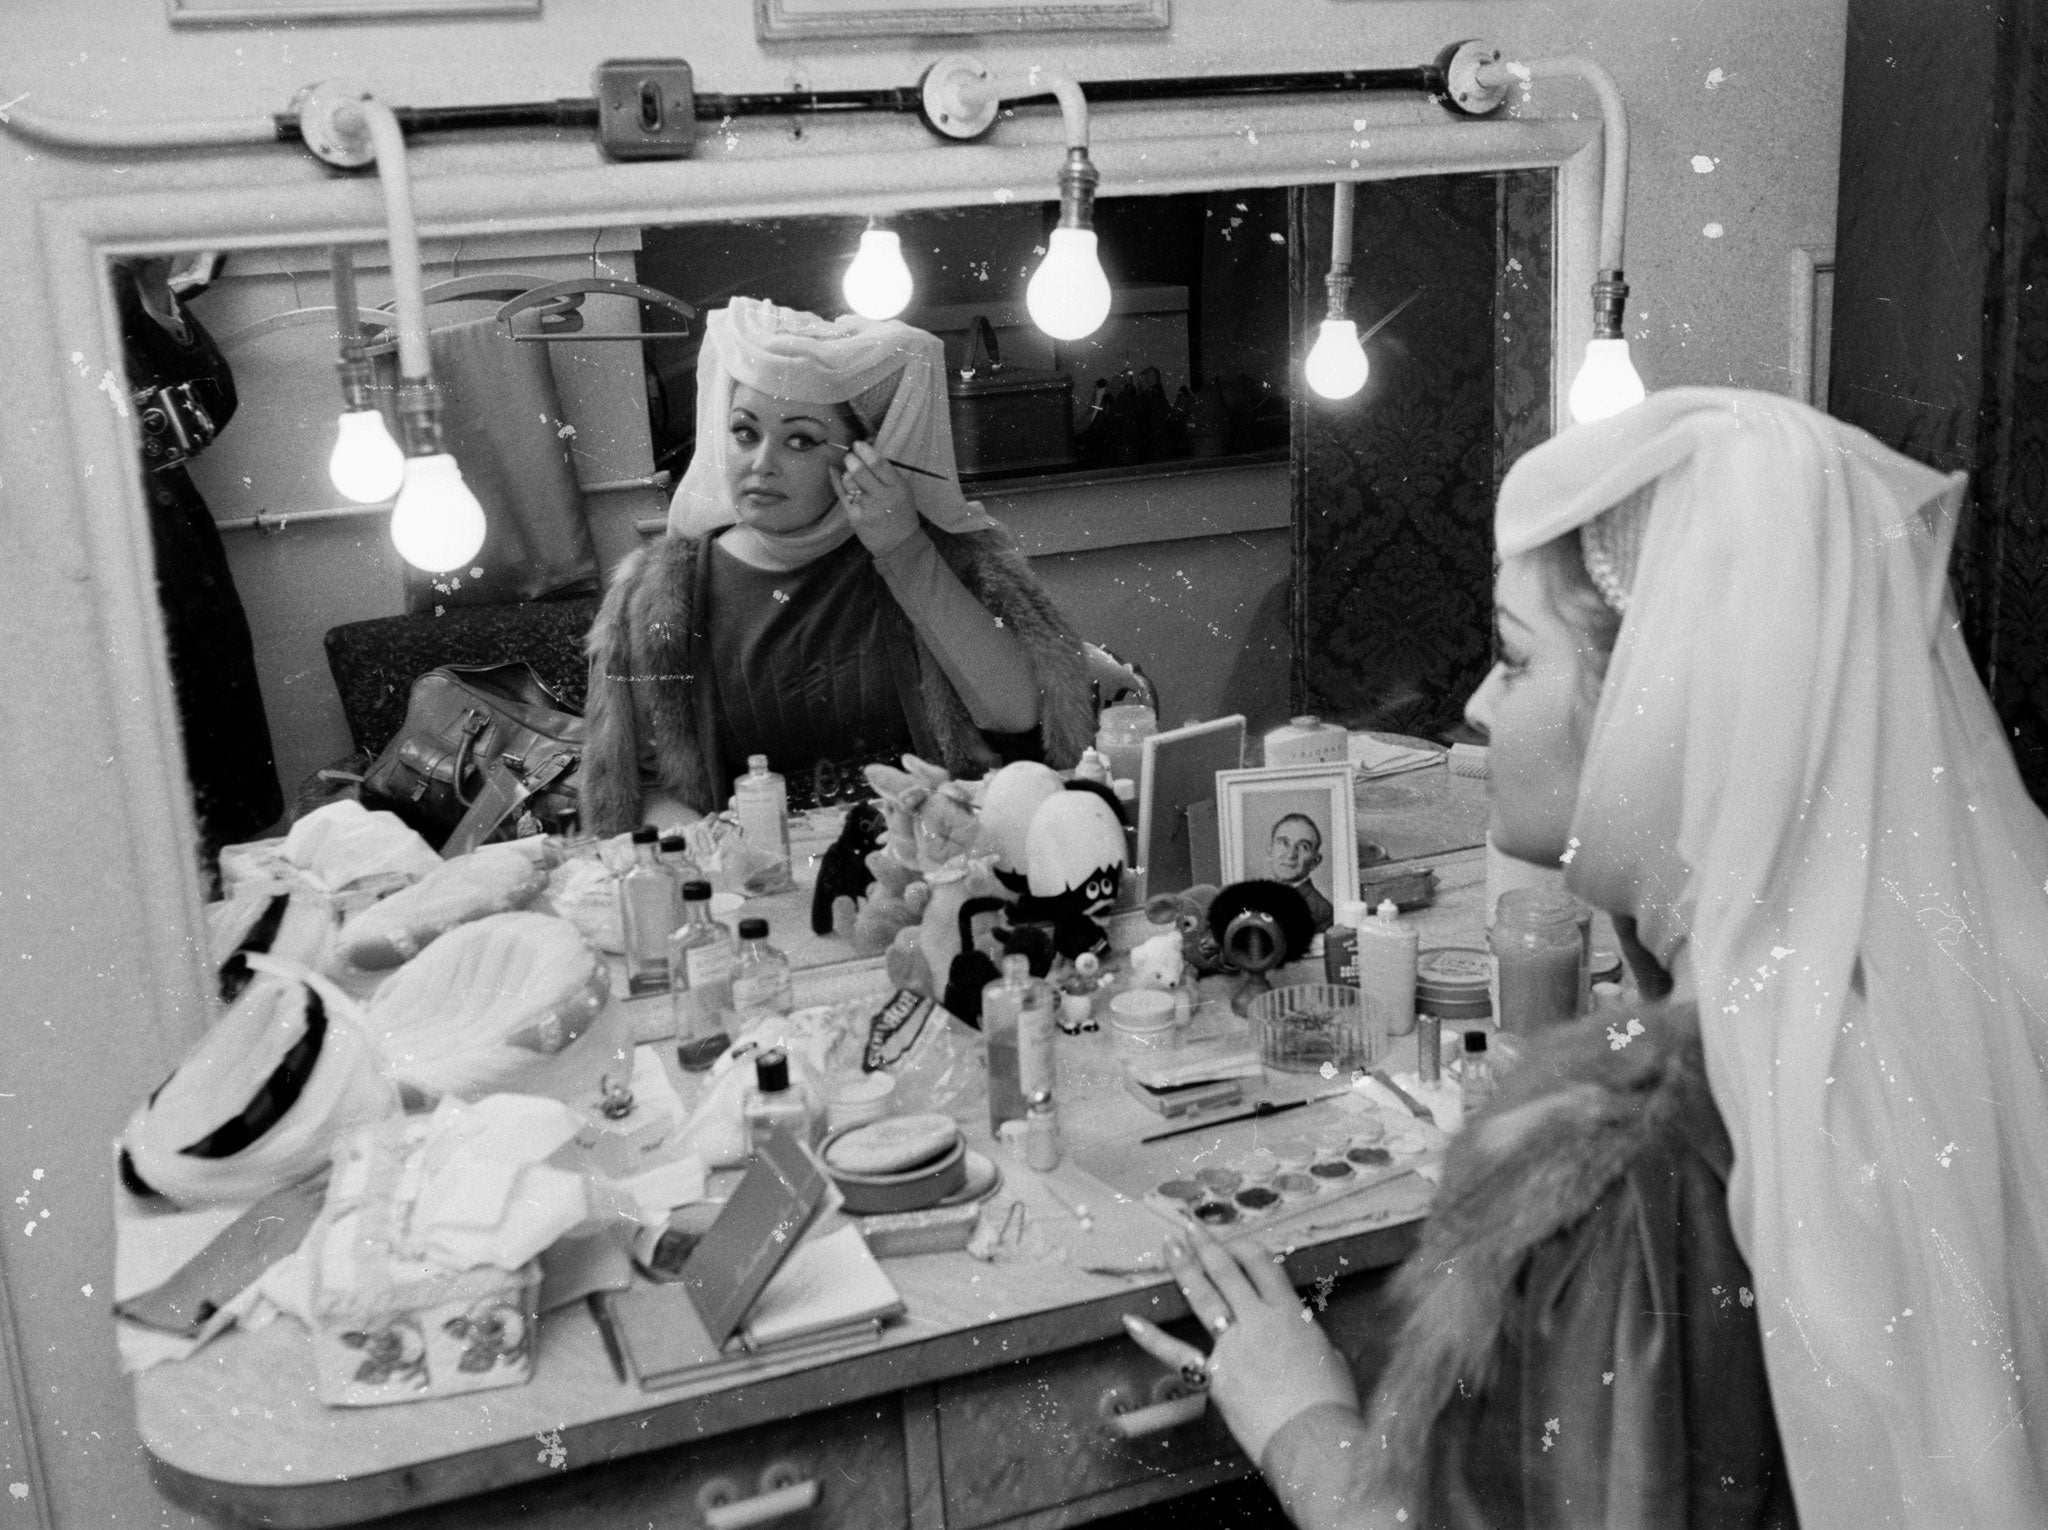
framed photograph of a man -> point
(1292, 825)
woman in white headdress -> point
(1790, 789)
(825, 596)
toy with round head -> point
(1074, 863)
(1012, 796)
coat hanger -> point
(492, 286)
(552, 292)
(292, 318)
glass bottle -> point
(760, 980)
(1340, 943)
(1475, 1075)
(760, 801)
(1120, 734)
(1041, 1132)
(1003, 1006)
(772, 1106)
(649, 911)
(702, 955)
(1539, 957)
(675, 860)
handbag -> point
(486, 751)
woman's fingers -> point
(877, 466)
(1165, 1348)
(1204, 1300)
(1229, 1278)
(1264, 1269)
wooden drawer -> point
(853, 1455)
(1042, 1432)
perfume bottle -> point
(648, 912)
(761, 979)
(702, 956)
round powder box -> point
(1451, 983)
(900, 1163)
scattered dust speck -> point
(1703, 164)
(1713, 231)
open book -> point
(831, 1294)
(754, 1282)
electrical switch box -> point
(646, 108)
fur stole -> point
(1573, 1116)
(643, 674)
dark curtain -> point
(1940, 333)
(1395, 487)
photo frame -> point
(804, 20)
(1177, 826)
(245, 13)
(1295, 817)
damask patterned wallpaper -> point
(1393, 588)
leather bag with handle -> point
(482, 746)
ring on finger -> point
(1220, 1324)
(1195, 1373)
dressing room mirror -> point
(1187, 500)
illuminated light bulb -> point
(437, 524)
(1069, 296)
(1336, 365)
(1606, 384)
(366, 464)
(877, 284)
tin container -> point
(1308, 741)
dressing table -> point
(1009, 1394)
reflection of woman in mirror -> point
(183, 396)
(825, 596)
(1733, 700)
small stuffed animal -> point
(843, 870)
(1012, 796)
(933, 831)
(895, 900)
(1158, 962)
(1188, 913)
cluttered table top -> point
(239, 1427)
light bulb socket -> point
(358, 376)
(1610, 301)
(1078, 179)
(419, 417)
(1337, 287)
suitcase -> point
(1009, 419)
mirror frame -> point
(269, 198)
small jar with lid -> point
(1452, 985)
(1539, 958)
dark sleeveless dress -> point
(816, 668)
(183, 395)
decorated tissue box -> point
(425, 1260)
(437, 1336)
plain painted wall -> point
(1734, 108)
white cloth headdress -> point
(1796, 782)
(892, 374)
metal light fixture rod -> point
(1610, 291)
(1337, 285)
(58, 132)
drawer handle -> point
(762, 1508)
(1159, 1417)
